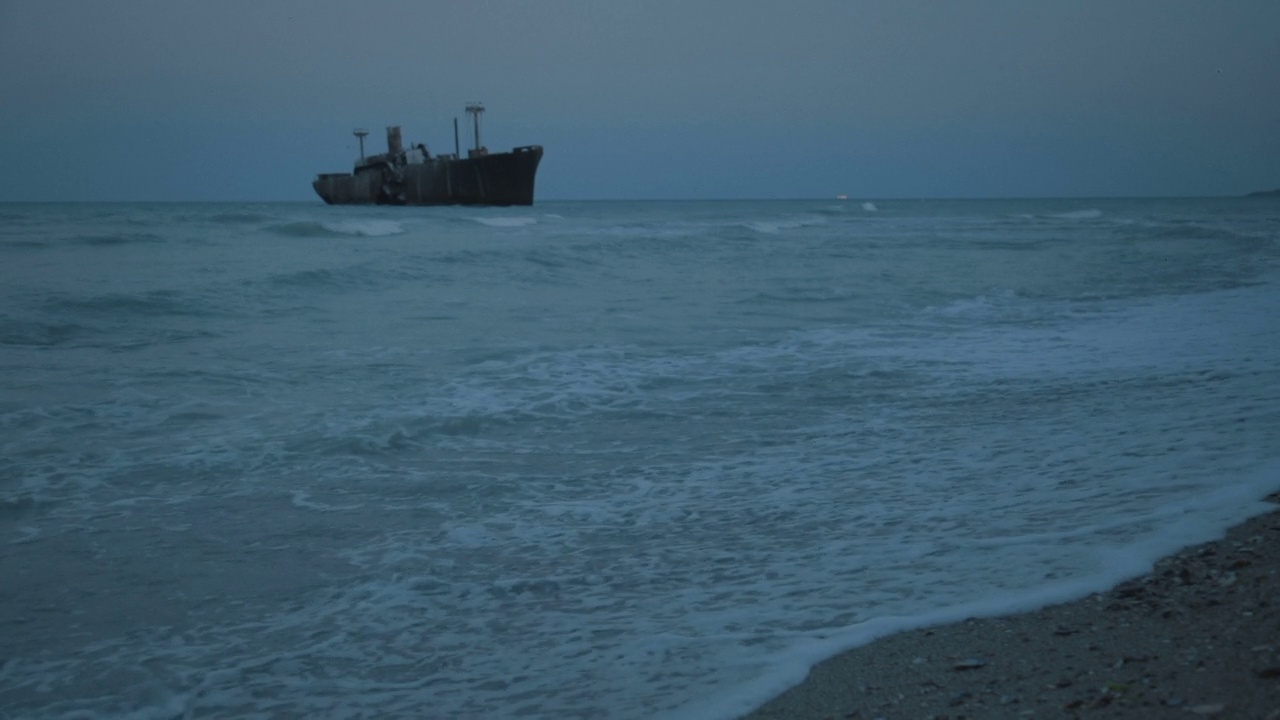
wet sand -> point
(1197, 637)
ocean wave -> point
(1188, 231)
(542, 386)
(360, 228)
(1086, 214)
(980, 307)
(23, 244)
(35, 333)
(557, 259)
(303, 499)
(302, 229)
(320, 278)
(1089, 214)
(631, 467)
(774, 227)
(115, 239)
(239, 218)
(23, 503)
(643, 230)
(366, 228)
(155, 302)
(506, 222)
(804, 295)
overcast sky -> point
(228, 100)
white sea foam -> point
(869, 206)
(1196, 521)
(365, 228)
(982, 306)
(674, 469)
(507, 221)
(773, 227)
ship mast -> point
(360, 133)
(475, 110)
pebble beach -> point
(1199, 636)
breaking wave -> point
(358, 228)
(506, 222)
(773, 227)
(1086, 214)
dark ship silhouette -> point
(414, 176)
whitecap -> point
(365, 228)
(506, 222)
(869, 206)
(773, 227)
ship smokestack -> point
(475, 110)
(360, 133)
(394, 146)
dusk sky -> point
(175, 100)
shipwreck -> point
(414, 176)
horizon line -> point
(849, 198)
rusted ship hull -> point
(492, 179)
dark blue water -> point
(596, 459)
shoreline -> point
(1198, 636)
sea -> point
(621, 460)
